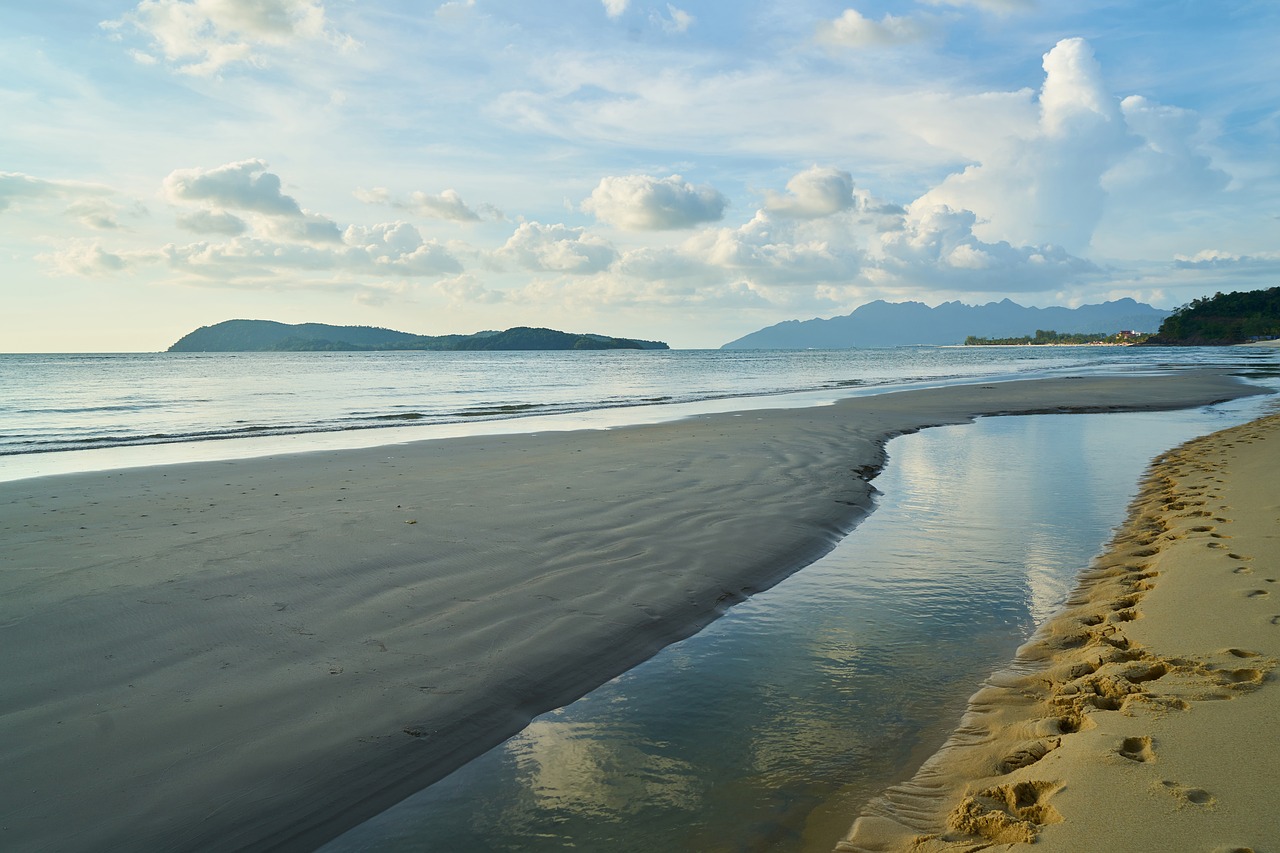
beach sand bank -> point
(1142, 717)
(259, 654)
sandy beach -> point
(1140, 718)
(258, 654)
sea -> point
(189, 406)
(769, 729)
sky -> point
(687, 172)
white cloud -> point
(1215, 259)
(390, 250)
(676, 20)
(466, 289)
(308, 228)
(1166, 165)
(644, 203)
(447, 205)
(91, 260)
(396, 248)
(211, 222)
(245, 185)
(15, 186)
(203, 36)
(557, 248)
(766, 251)
(817, 191)
(937, 248)
(1047, 188)
(615, 8)
(853, 29)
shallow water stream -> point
(770, 728)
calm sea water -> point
(58, 403)
(773, 726)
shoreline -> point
(1137, 714)
(260, 654)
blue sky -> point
(687, 171)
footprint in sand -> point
(1137, 749)
(1257, 593)
(1191, 796)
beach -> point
(1139, 718)
(257, 654)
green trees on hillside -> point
(1224, 318)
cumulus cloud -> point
(557, 248)
(937, 244)
(644, 203)
(615, 8)
(201, 37)
(211, 222)
(765, 251)
(1047, 187)
(396, 248)
(853, 29)
(308, 228)
(1166, 164)
(389, 250)
(815, 192)
(245, 185)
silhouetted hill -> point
(270, 336)
(1225, 318)
(892, 324)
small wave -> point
(499, 410)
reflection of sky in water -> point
(769, 729)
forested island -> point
(1222, 319)
(270, 336)
(1045, 337)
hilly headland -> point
(270, 336)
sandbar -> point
(258, 654)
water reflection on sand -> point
(770, 728)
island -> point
(270, 336)
(1223, 319)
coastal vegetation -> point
(270, 336)
(1044, 337)
(1222, 319)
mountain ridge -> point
(889, 324)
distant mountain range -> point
(270, 336)
(893, 324)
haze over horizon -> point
(688, 171)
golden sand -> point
(1143, 717)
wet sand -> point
(1142, 717)
(259, 654)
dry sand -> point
(1142, 718)
(259, 654)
